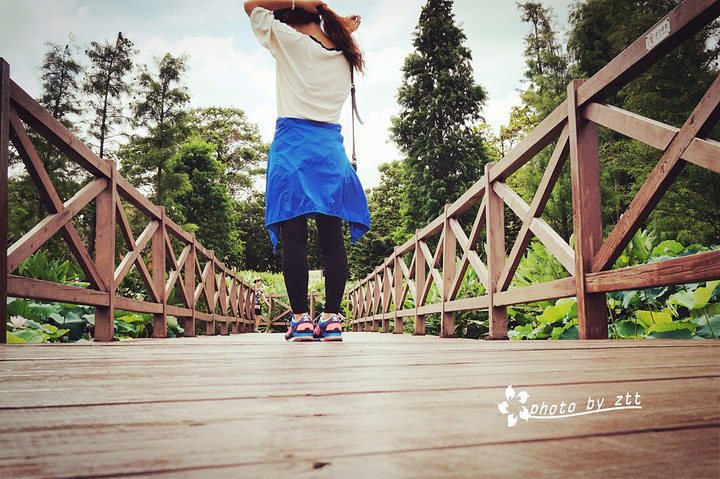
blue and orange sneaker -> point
(300, 330)
(329, 329)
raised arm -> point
(307, 5)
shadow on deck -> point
(376, 405)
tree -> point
(667, 92)
(548, 72)
(204, 204)
(106, 85)
(435, 129)
(548, 69)
(60, 89)
(60, 93)
(237, 143)
(520, 123)
(59, 82)
(160, 108)
(384, 202)
(258, 252)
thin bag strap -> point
(354, 114)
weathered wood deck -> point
(376, 405)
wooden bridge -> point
(373, 406)
(376, 405)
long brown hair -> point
(335, 29)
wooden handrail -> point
(413, 268)
(195, 273)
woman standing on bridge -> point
(308, 173)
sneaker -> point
(329, 329)
(300, 330)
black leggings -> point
(295, 263)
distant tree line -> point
(201, 164)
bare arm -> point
(307, 5)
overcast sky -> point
(229, 68)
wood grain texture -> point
(383, 405)
(4, 165)
(587, 215)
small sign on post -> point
(315, 276)
(657, 35)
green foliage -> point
(60, 96)
(59, 72)
(237, 144)
(58, 322)
(384, 202)
(204, 201)
(160, 108)
(547, 63)
(668, 91)
(22, 330)
(682, 312)
(436, 127)
(258, 252)
(49, 321)
(37, 266)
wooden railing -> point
(413, 267)
(208, 290)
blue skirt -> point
(308, 172)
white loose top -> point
(313, 82)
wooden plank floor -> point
(375, 406)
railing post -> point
(367, 326)
(398, 285)
(190, 288)
(248, 309)
(419, 285)
(105, 219)
(222, 299)
(4, 161)
(386, 296)
(210, 325)
(239, 299)
(376, 301)
(158, 275)
(587, 216)
(495, 230)
(447, 324)
(312, 304)
(357, 307)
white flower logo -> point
(504, 406)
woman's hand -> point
(307, 5)
(352, 22)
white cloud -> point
(497, 112)
(389, 22)
(373, 145)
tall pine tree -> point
(161, 108)
(59, 74)
(548, 72)
(106, 85)
(435, 129)
(59, 82)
